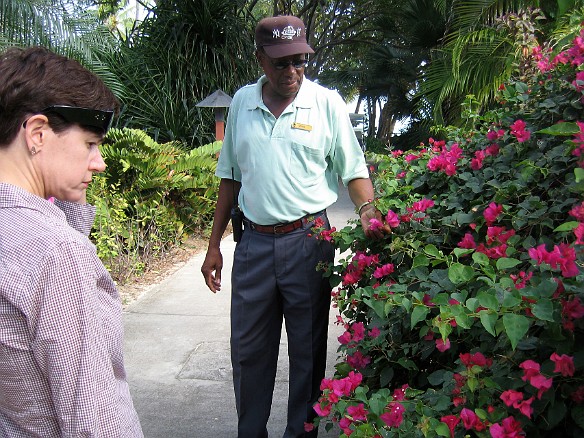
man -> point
(287, 142)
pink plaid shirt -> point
(61, 334)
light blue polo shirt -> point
(289, 166)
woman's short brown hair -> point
(35, 78)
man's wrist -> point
(359, 209)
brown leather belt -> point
(284, 227)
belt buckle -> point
(277, 227)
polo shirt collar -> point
(304, 99)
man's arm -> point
(362, 194)
(211, 269)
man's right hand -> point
(211, 269)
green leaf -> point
(386, 376)
(407, 363)
(556, 413)
(567, 226)
(480, 259)
(431, 250)
(459, 273)
(420, 260)
(578, 415)
(543, 309)
(377, 305)
(488, 300)
(489, 319)
(562, 128)
(510, 300)
(472, 304)
(442, 430)
(579, 174)
(506, 263)
(460, 316)
(516, 327)
(418, 314)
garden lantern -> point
(219, 101)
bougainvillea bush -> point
(468, 320)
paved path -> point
(177, 353)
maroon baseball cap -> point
(282, 36)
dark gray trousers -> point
(275, 276)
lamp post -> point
(218, 101)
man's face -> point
(284, 74)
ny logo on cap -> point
(287, 33)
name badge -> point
(302, 126)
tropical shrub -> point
(468, 319)
(149, 199)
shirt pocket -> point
(307, 164)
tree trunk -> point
(386, 124)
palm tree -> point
(63, 27)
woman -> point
(61, 334)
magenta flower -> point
(384, 270)
(451, 421)
(530, 369)
(399, 394)
(525, 407)
(374, 332)
(492, 150)
(578, 212)
(392, 219)
(564, 364)
(467, 242)
(509, 428)
(519, 131)
(541, 383)
(395, 416)
(493, 135)
(441, 345)
(358, 413)
(492, 212)
(469, 419)
(422, 205)
(375, 224)
(510, 397)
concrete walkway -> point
(177, 353)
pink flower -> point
(477, 162)
(451, 421)
(375, 224)
(308, 427)
(578, 395)
(495, 135)
(467, 242)
(374, 332)
(519, 131)
(492, 212)
(358, 413)
(395, 416)
(469, 418)
(579, 233)
(564, 364)
(345, 338)
(441, 345)
(422, 205)
(469, 360)
(541, 383)
(578, 212)
(322, 411)
(358, 361)
(530, 369)
(399, 394)
(492, 150)
(358, 331)
(525, 407)
(521, 279)
(383, 271)
(510, 397)
(392, 219)
(509, 428)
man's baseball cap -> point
(282, 36)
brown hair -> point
(33, 79)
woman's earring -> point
(33, 151)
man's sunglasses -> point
(83, 116)
(297, 64)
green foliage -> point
(149, 198)
(468, 320)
